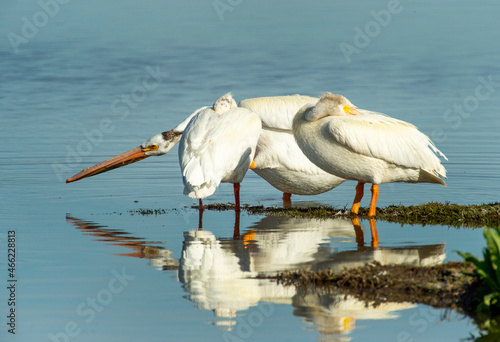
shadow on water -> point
(229, 275)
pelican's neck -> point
(328, 105)
(182, 126)
(319, 111)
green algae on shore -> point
(456, 215)
(447, 214)
(444, 214)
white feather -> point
(217, 148)
(277, 112)
(386, 138)
(278, 159)
(367, 147)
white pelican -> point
(278, 159)
(218, 145)
(365, 146)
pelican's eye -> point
(347, 109)
(150, 148)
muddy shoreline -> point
(449, 285)
(446, 214)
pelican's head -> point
(331, 105)
(337, 105)
(156, 146)
(161, 143)
(224, 103)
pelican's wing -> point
(233, 144)
(214, 146)
(192, 155)
(382, 137)
(277, 112)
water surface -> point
(74, 95)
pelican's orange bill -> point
(123, 159)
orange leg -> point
(287, 202)
(200, 206)
(236, 187)
(357, 199)
(373, 229)
(373, 202)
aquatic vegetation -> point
(475, 215)
(146, 212)
(488, 270)
(456, 215)
(444, 285)
(447, 214)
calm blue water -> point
(73, 81)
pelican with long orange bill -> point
(156, 146)
(216, 145)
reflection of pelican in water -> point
(424, 255)
(288, 243)
(334, 315)
(220, 274)
(215, 275)
(160, 257)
